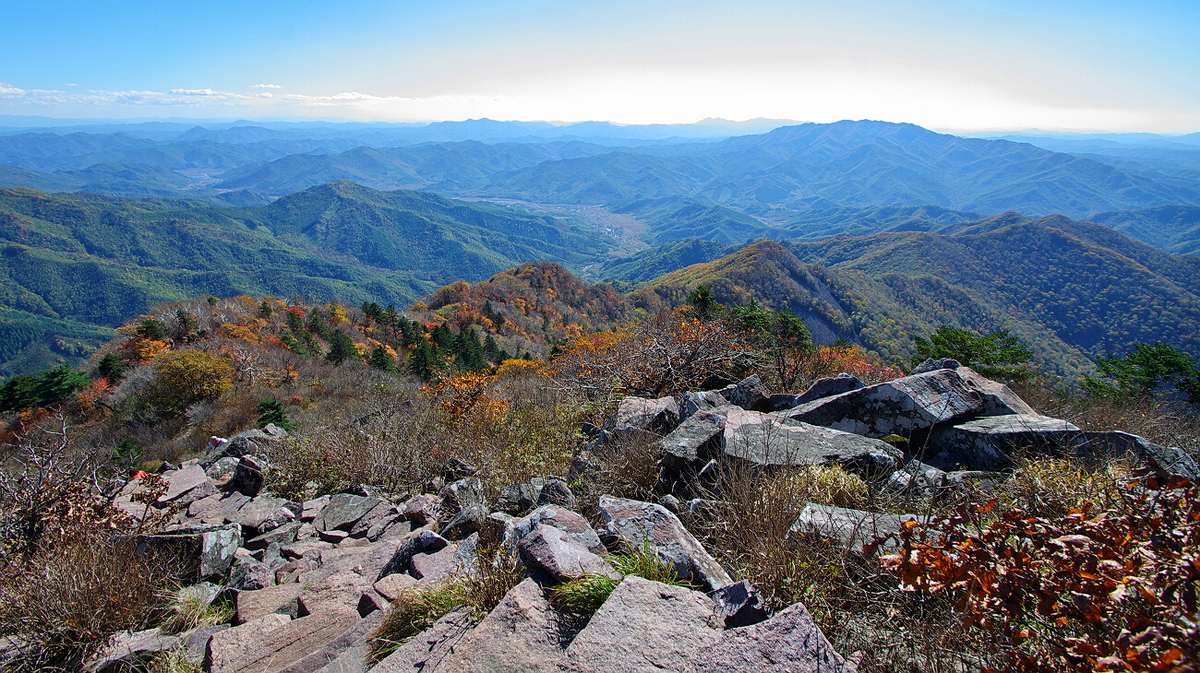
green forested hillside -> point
(94, 261)
(1175, 229)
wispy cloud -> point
(265, 86)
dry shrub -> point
(1051, 487)
(668, 353)
(624, 467)
(1098, 589)
(64, 602)
(1162, 422)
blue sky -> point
(961, 65)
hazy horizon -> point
(974, 66)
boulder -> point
(281, 598)
(748, 393)
(217, 508)
(275, 649)
(934, 364)
(911, 405)
(418, 543)
(659, 416)
(826, 387)
(265, 513)
(645, 626)
(738, 605)
(250, 575)
(915, 478)
(1171, 459)
(186, 486)
(850, 527)
(556, 492)
(208, 549)
(989, 443)
(248, 476)
(343, 511)
(694, 402)
(282, 535)
(689, 448)
(427, 650)
(311, 508)
(464, 523)
(128, 649)
(789, 642)
(227, 648)
(380, 516)
(393, 585)
(573, 525)
(353, 637)
(432, 566)
(223, 468)
(389, 528)
(457, 468)
(517, 499)
(642, 524)
(552, 557)
(423, 509)
(766, 440)
(523, 633)
(461, 494)
(340, 591)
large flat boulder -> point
(217, 508)
(281, 598)
(989, 443)
(343, 511)
(352, 641)
(645, 626)
(265, 513)
(766, 440)
(573, 525)
(647, 525)
(427, 650)
(230, 646)
(552, 557)
(659, 416)
(186, 485)
(274, 650)
(789, 642)
(523, 633)
(850, 527)
(912, 404)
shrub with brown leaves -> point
(1108, 590)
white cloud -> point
(265, 86)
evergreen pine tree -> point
(381, 360)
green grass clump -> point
(413, 611)
(586, 594)
(192, 608)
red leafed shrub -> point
(1111, 590)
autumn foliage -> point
(1107, 590)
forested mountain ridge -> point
(77, 265)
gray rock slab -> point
(464, 523)
(460, 494)
(690, 446)
(355, 636)
(552, 557)
(426, 651)
(738, 605)
(771, 441)
(828, 386)
(343, 511)
(989, 443)
(748, 393)
(575, 526)
(274, 650)
(250, 575)
(311, 508)
(227, 648)
(129, 648)
(517, 499)
(265, 513)
(694, 402)
(851, 527)
(184, 481)
(432, 567)
(384, 511)
(789, 642)
(912, 404)
(251, 605)
(556, 492)
(645, 627)
(659, 416)
(640, 524)
(393, 585)
(249, 475)
(522, 633)
(217, 508)
(418, 542)
(282, 536)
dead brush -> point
(65, 601)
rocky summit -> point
(319, 585)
